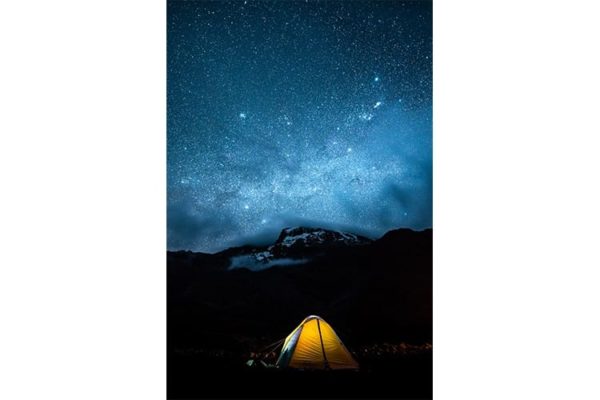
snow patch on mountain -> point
(293, 246)
(290, 240)
(311, 237)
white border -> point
(82, 146)
(516, 200)
(82, 215)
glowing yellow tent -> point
(315, 345)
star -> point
(365, 116)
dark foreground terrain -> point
(375, 294)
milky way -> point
(285, 113)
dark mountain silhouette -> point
(295, 243)
(242, 299)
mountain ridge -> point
(293, 246)
(287, 230)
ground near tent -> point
(403, 376)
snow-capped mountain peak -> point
(316, 237)
(295, 246)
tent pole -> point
(326, 363)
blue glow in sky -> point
(296, 113)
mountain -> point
(223, 307)
(316, 237)
(293, 246)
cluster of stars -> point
(289, 113)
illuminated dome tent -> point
(315, 345)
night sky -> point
(287, 113)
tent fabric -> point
(315, 345)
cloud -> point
(189, 227)
(252, 264)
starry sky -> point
(287, 113)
